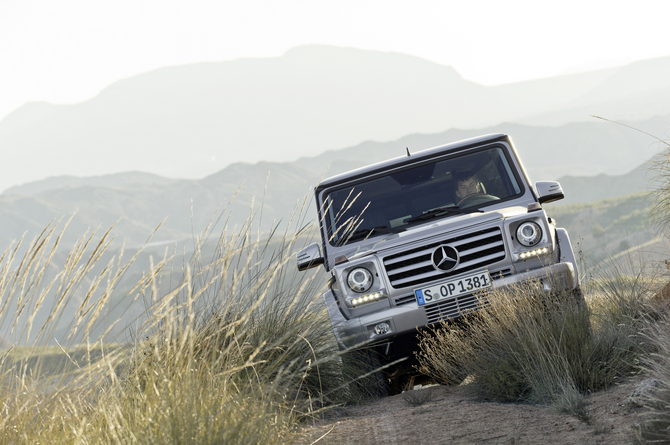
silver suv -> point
(410, 241)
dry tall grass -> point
(238, 352)
(534, 346)
(655, 427)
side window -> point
(490, 177)
(510, 180)
(498, 178)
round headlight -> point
(529, 233)
(360, 279)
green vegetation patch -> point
(603, 228)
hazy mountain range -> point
(193, 120)
(140, 201)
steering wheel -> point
(476, 199)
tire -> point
(361, 367)
(578, 295)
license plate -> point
(453, 288)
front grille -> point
(500, 274)
(401, 301)
(455, 307)
(415, 266)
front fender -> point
(347, 331)
(566, 255)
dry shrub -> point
(522, 348)
(655, 426)
(238, 351)
(535, 346)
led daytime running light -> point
(535, 252)
(366, 298)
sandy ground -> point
(453, 417)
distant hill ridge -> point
(193, 120)
(140, 201)
(113, 180)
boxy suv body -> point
(413, 240)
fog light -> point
(382, 328)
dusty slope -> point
(452, 417)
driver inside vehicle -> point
(470, 191)
(467, 185)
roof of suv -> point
(414, 157)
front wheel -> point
(361, 368)
(578, 295)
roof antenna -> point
(407, 148)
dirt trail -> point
(452, 417)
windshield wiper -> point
(440, 211)
(364, 233)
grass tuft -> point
(239, 350)
(536, 347)
(655, 424)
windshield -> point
(392, 203)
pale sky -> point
(66, 51)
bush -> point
(655, 427)
(538, 347)
(245, 366)
(238, 352)
(521, 348)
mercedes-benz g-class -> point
(414, 240)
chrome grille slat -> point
(454, 307)
(437, 273)
(414, 267)
(409, 257)
(480, 248)
(470, 240)
(407, 299)
(429, 250)
(479, 260)
(501, 274)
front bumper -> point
(406, 319)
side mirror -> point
(549, 191)
(310, 257)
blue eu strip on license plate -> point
(419, 297)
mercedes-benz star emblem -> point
(445, 258)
